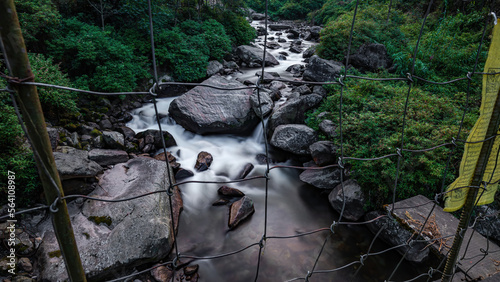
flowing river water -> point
(293, 207)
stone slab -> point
(475, 263)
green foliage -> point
(101, 62)
(52, 100)
(37, 18)
(287, 9)
(16, 156)
(370, 26)
(372, 125)
(237, 27)
(177, 52)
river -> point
(293, 207)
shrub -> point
(237, 27)
(371, 126)
(53, 100)
(88, 52)
(177, 52)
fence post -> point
(471, 195)
(17, 60)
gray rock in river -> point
(266, 103)
(354, 200)
(240, 210)
(326, 178)
(206, 110)
(323, 153)
(278, 27)
(252, 56)
(293, 111)
(395, 235)
(108, 157)
(294, 138)
(112, 236)
(213, 68)
(321, 70)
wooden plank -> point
(476, 264)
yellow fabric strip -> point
(455, 198)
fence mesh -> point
(328, 231)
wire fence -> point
(342, 81)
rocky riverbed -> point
(113, 151)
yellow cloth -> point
(491, 84)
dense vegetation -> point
(105, 46)
(372, 111)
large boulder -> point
(252, 56)
(73, 163)
(206, 110)
(326, 178)
(294, 138)
(111, 236)
(354, 200)
(293, 111)
(371, 57)
(395, 235)
(113, 139)
(321, 70)
(153, 137)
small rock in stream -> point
(230, 192)
(245, 171)
(240, 210)
(203, 161)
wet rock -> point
(293, 111)
(277, 85)
(292, 36)
(108, 157)
(323, 153)
(213, 68)
(245, 171)
(227, 191)
(296, 69)
(113, 139)
(25, 264)
(220, 202)
(371, 57)
(75, 164)
(111, 236)
(240, 210)
(262, 159)
(394, 235)
(258, 16)
(309, 52)
(253, 56)
(153, 136)
(205, 110)
(306, 35)
(203, 161)
(328, 127)
(315, 32)
(266, 103)
(321, 70)
(354, 200)
(281, 40)
(294, 138)
(162, 274)
(281, 58)
(268, 76)
(303, 90)
(295, 49)
(278, 27)
(273, 45)
(190, 270)
(327, 178)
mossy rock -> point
(101, 219)
(95, 132)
